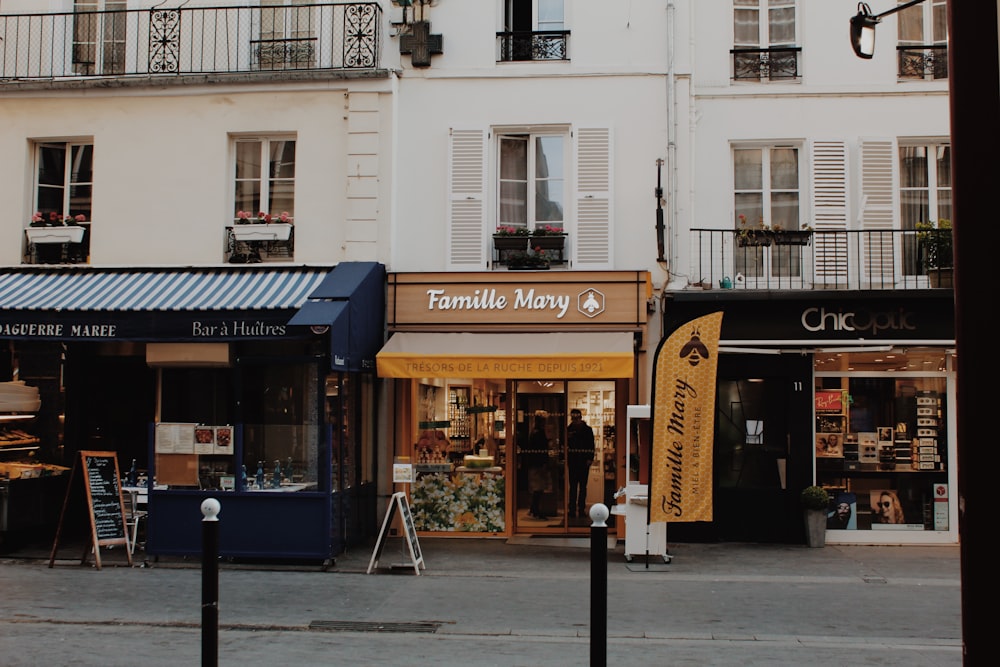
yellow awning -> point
(554, 355)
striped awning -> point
(241, 289)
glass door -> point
(539, 457)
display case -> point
(880, 452)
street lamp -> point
(863, 27)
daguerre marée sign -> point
(148, 325)
(594, 298)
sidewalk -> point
(490, 602)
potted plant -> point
(67, 228)
(523, 260)
(508, 239)
(815, 503)
(800, 236)
(275, 231)
(757, 235)
(934, 243)
(549, 237)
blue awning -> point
(157, 290)
(351, 302)
(219, 304)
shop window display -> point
(881, 448)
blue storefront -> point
(254, 385)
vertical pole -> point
(210, 508)
(599, 514)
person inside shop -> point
(536, 460)
(887, 508)
(579, 457)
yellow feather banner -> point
(683, 399)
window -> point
(766, 189)
(531, 164)
(99, 36)
(764, 40)
(923, 41)
(287, 39)
(924, 193)
(533, 30)
(273, 191)
(64, 183)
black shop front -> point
(253, 385)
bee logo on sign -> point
(590, 302)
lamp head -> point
(863, 31)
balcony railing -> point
(923, 61)
(196, 40)
(858, 260)
(771, 64)
(541, 45)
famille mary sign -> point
(683, 399)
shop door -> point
(540, 461)
(762, 450)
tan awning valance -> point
(508, 355)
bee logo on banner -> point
(683, 399)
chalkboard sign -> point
(399, 503)
(104, 495)
(106, 507)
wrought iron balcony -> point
(196, 40)
(541, 45)
(852, 260)
(923, 61)
(776, 63)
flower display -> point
(548, 230)
(537, 258)
(463, 503)
(53, 219)
(509, 230)
(242, 217)
(263, 217)
(284, 217)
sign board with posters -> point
(399, 504)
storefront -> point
(854, 391)
(253, 385)
(486, 370)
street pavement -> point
(493, 602)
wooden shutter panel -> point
(879, 254)
(593, 199)
(467, 189)
(829, 183)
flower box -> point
(548, 241)
(272, 231)
(503, 242)
(796, 237)
(753, 237)
(63, 234)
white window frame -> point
(938, 197)
(930, 19)
(764, 29)
(109, 39)
(540, 20)
(531, 138)
(69, 180)
(756, 262)
(262, 177)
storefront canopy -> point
(351, 301)
(218, 304)
(592, 355)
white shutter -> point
(467, 190)
(879, 257)
(592, 234)
(829, 214)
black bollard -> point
(599, 585)
(210, 508)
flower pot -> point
(548, 241)
(274, 231)
(797, 237)
(940, 277)
(510, 242)
(65, 234)
(753, 238)
(815, 521)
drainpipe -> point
(671, 143)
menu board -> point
(105, 505)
